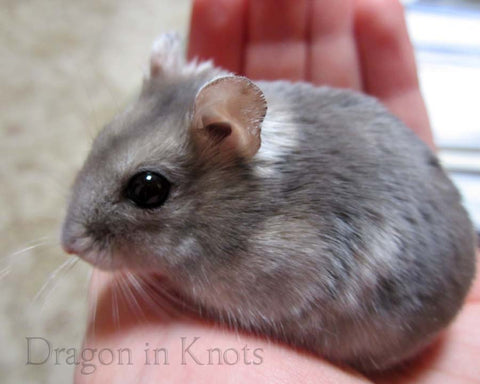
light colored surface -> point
(66, 67)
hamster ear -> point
(227, 117)
(167, 55)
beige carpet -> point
(65, 68)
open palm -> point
(360, 44)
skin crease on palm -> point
(359, 44)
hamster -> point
(307, 214)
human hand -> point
(360, 44)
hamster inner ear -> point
(218, 131)
(228, 114)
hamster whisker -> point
(13, 257)
(115, 308)
(137, 288)
(144, 292)
(161, 300)
(4, 272)
(42, 241)
(92, 302)
(129, 295)
(54, 278)
(156, 302)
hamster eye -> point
(147, 189)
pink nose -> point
(68, 248)
(71, 243)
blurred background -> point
(446, 36)
(67, 67)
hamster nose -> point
(68, 248)
(71, 242)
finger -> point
(276, 43)
(388, 63)
(217, 32)
(333, 53)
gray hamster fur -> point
(307, 214)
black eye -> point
(147, 189)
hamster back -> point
(310, 215)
